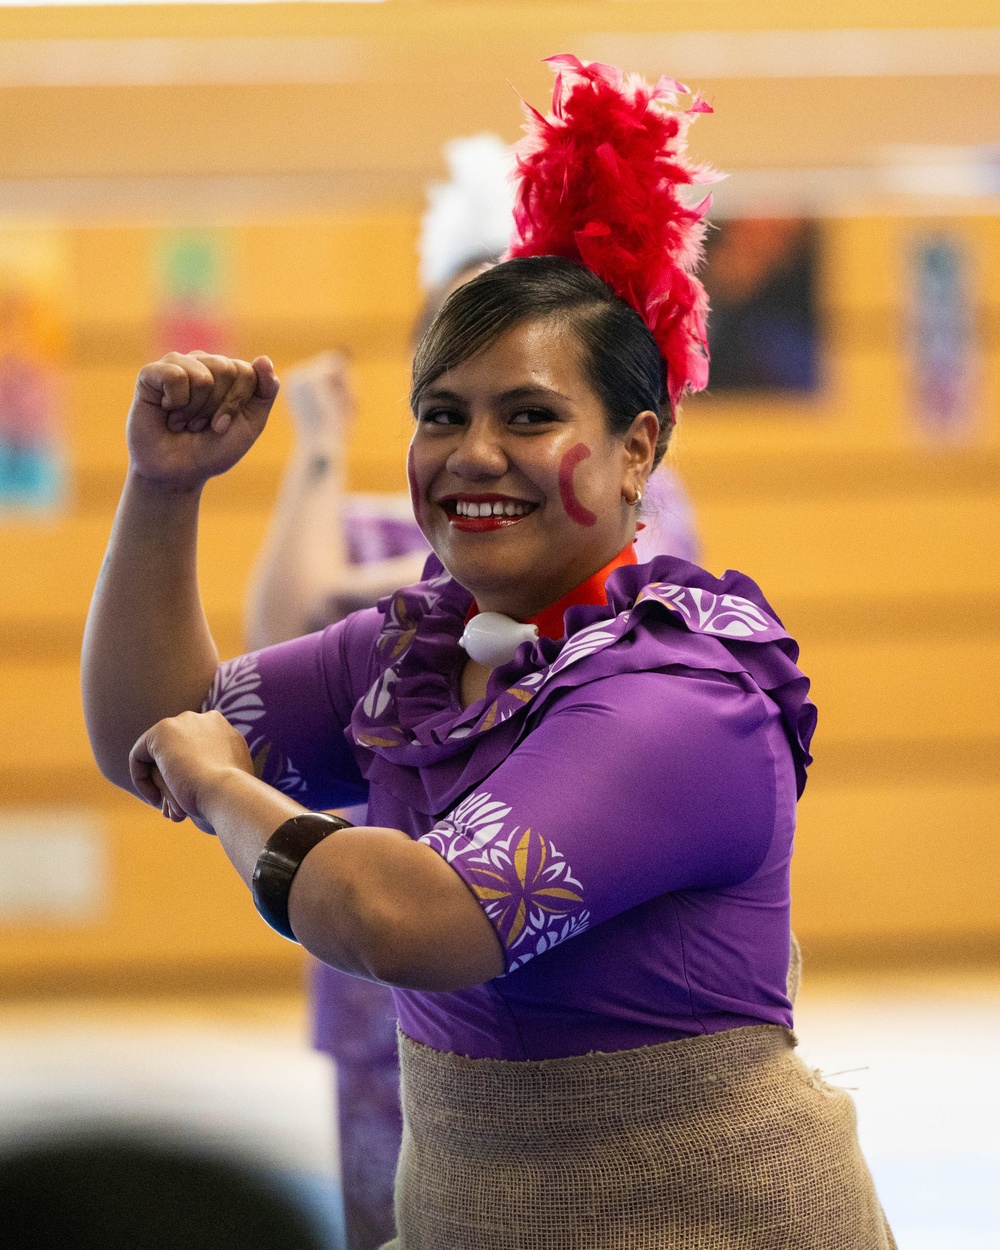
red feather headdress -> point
(598, 184)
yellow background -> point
(880, 552)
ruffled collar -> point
(427, 748)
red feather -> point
(598, 184)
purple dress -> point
(621, 802)
(355, 1021)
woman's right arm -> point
(147, 650)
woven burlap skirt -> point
(723, 1142)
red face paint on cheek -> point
(411, 477)
(574, 508)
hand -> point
(321, 396)
(194, 416)
(174, 764)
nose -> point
(479, 455)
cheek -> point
(411, 477)
(567, 491)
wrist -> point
(162, 491)
(244, 812)
(224, 790)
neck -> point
(548, 616)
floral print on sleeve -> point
(236, 694)
(522, 881)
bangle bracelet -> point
(280, 860)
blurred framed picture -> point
(764, 327)
(191, 270)
(943, 350)
(32, 364)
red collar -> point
(589, 593)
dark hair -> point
(436, 297)
(620, 357)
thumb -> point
(267, 380)
(143, 771)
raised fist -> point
(194, 416)
(320, 394)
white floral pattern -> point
(377, 699)
(521, 879)
(236, 694)
(730, 616)
(580, 645)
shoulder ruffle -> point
(665, 615)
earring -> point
(635, 500)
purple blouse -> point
(621, 803)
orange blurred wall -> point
(878, 550)
(880, 555)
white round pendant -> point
(492, 639)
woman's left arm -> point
(369, 901)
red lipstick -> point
(482, 514)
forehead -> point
(535, 354)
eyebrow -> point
(514, 394)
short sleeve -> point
(292, 703)
(630, 787)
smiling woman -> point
(538, 395)
(576, 869)
(522, 482)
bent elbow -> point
(430, 976)
(111, 769)
(395, 959)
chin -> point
(489, 578)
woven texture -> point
(721, 1142)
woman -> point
(581, 772)
(327, 554)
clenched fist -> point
(174, 760)
(194, 416)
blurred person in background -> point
(325, 557)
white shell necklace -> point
(492, 639)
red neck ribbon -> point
(589, 593)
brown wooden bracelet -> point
(280, 860)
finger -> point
(143, 772)
(267, 380)
(200, 380)
(169, 807)
(224, 371)
(164, 383)
(239, 396)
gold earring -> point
(635, 500)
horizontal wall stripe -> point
(151, 62)
(860, 53)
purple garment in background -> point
(622, 801)
(668, 522)
(380, 527)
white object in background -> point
(471, 216)
(492, 638)
(53, 866)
